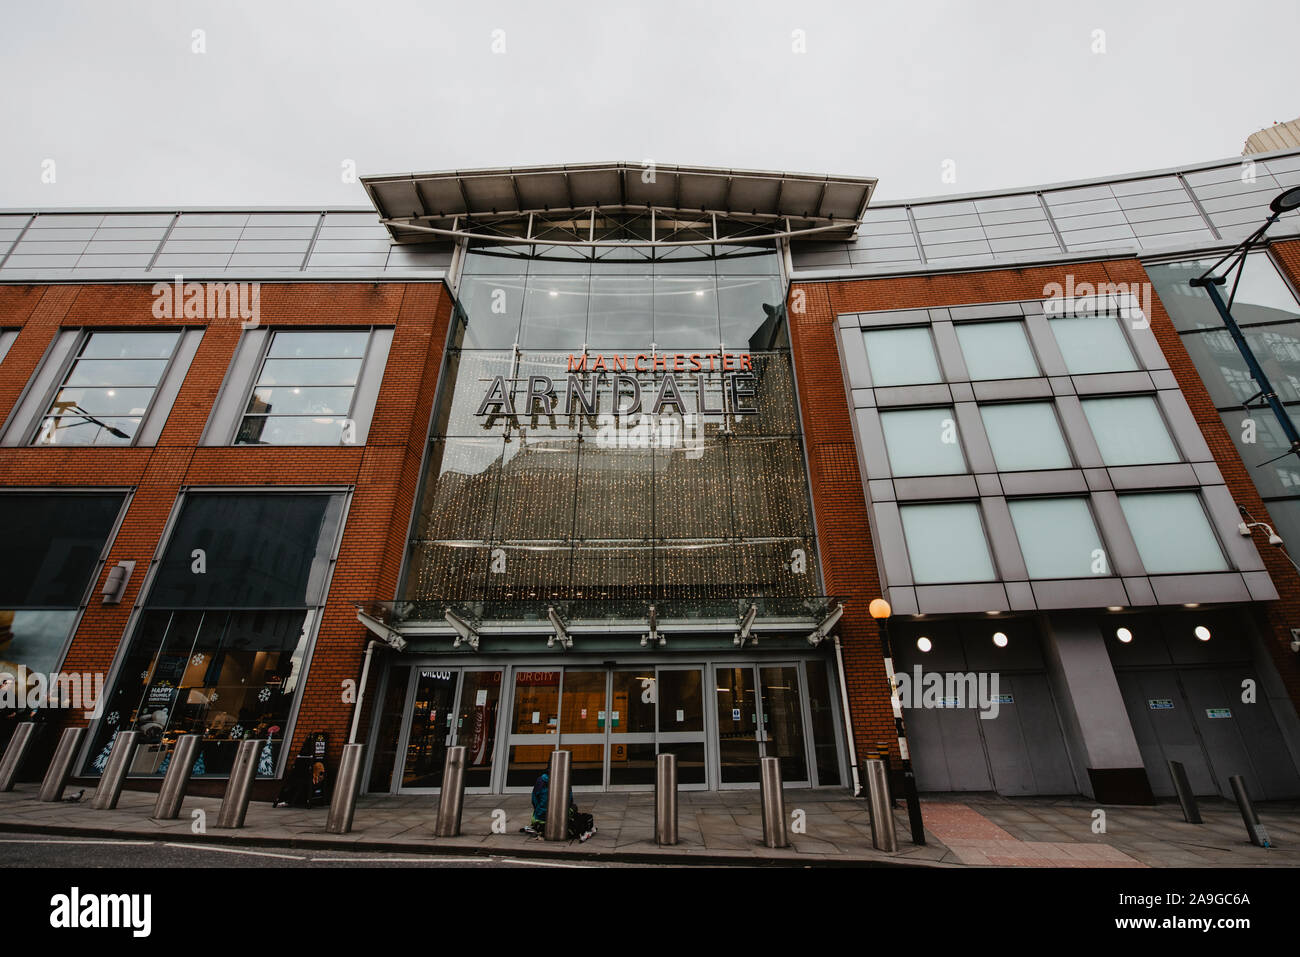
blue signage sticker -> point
(1218, 712)
(1160, 704)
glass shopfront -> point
(717, 716)
(617, 427)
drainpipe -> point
(361, 691)
(848, 725)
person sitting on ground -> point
(580, 825)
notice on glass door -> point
(480, 697)
(537, 717)
(681, 715)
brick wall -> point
(383, 473)
(848, 559)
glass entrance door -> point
(760, 714)
(615, 721)
(431, 727)
(451, 706)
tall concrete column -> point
(1097, 728)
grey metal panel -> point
(853, 355)
(902, 599)
(1078, 434)
(986, 483)
(872, 440)
(1186, 433)
(1139, 592)
(954, 250)
(1120, 547)
(933, 394)
(177, 245)
(1004, 545)
(940, 210)
(154, 222)
(1061, 385)
(879, 214)
(991, 310)
(307, 220)
(51, 248)
(1104, 235)
(953, 599)
(1052, 482)
(1050, 359)
(1077, 194)
(1088, 215)
(1207, 473)
(894, 317)
(363, 403)
(169, 388)
(1152, 476)
(355, 260)
(327, 245)
(34, 400)
(226, 220)
(266, 241)
(994, 390)
(40, 238)
(863, 398)
(228, 408)
(1241, 551)
(887, 532)
(962, 391)
(1100, 383)
(7, 338)
(1260, 586)
(17, 261)
(880, 490)
(72, 220)
(98, 260)
(1098, 479)
(848, 320)
(1182, 589)
(1020, 595)
(183, 260)
(274, 260)
(122, 247)
(916, 488)
(948, 351)
(970, 427)
(896, 254)
(999, 203)
(1080, 593)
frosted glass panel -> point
(946, 543)
(901, 356)
(996, 350)
(1093, 344)
(1130, 430)
(1172, 533)
(1058, 538)
(915, 439)
(1025, 436)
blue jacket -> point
(541, 792)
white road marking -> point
(402, 860)
(50, 841)
(235, 850)
(511, 860)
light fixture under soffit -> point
(1124, 635)
(1202, 633)
(1286, 200)
(924, 644)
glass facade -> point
(1268, 312)
(996, 350)
(663, 462)
(221, 644)
(1093, 344)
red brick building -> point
(355, 483)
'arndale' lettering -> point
(582, 391)
(934, 689)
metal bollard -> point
(666, 799)
(774, 831)
(343, 806)
(452, 799)
(56, 778)
(1186, 799)
(557, 808)
(1258, 836)
(14, 755)
(177, 781)
(234, 804)
(882, 818)
(114, 776)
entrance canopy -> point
(516, 203)
(599, 624)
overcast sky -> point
(1014, 93)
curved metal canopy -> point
(591, 204)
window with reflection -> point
(52, 546)
(221, 646)
(901, 356)
(946, 543)
(996, 350)
(303, 394)
(666, 459)
(108, 389)
(1093, 344)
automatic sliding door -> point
(476, 725)
(680, 694)
(534, 726)
(633, 696)
(783, 736)
(584, 716)
(430, 728)
(738, 728)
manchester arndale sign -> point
(593, 378)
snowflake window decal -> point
(198, 658)
(264, 695)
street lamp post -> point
(880, 611)
(1282, 203)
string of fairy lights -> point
(572, 506)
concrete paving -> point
(829, 827)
